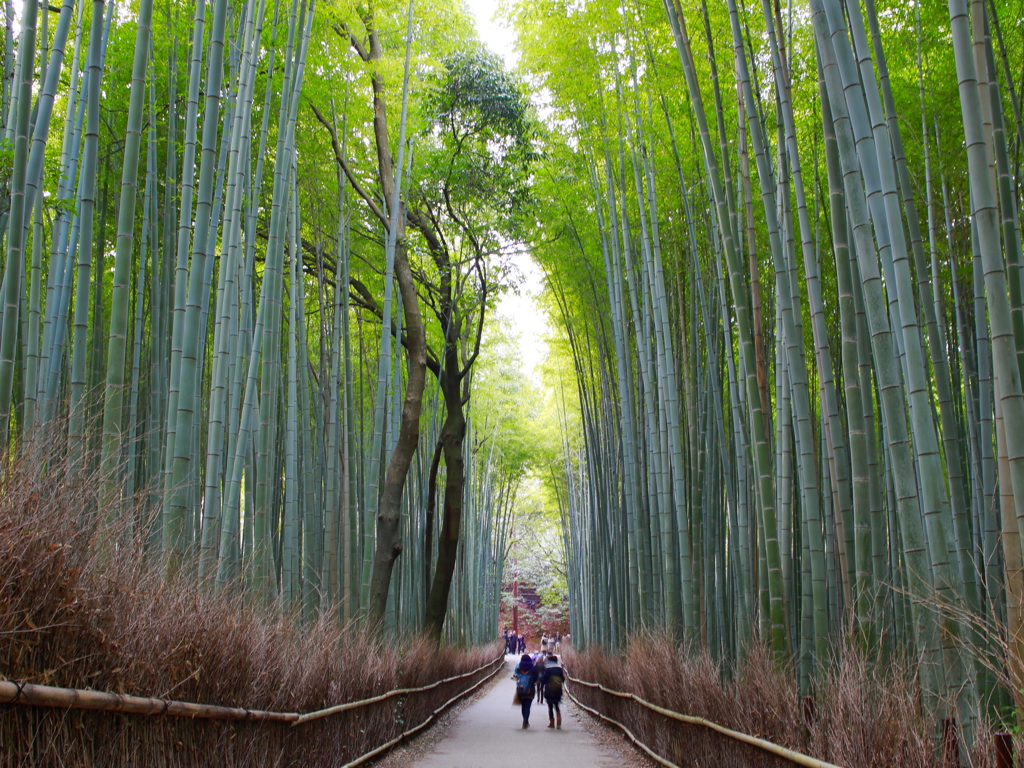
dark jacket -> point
(552, 670)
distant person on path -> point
(526, 679)
(558, 643)
(543, 644)
(539, 665)
(522, 644)
(552, 681)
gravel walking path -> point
(488, 733)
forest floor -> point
(487, 733)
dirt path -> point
(488, 734)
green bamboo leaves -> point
(247, 349)
(842, 486)
(207, 356)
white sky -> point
(520, 308)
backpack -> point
(524, 685)
(555, 680)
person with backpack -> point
(526, 678)
(552, 682)
(539, 664)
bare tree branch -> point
(348, 172)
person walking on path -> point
(540, 665)
(551, 682)
(544, 644)
(526, 680)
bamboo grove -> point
(783, 245)
(205, 267)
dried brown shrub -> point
(77, 615)
(862, 716)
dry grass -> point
(70, 617)
(863, 717)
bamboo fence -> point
(789, 755)
(29, 694)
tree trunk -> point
(453, 436)
(428, 528)
(389, 544)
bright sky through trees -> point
(528, 321)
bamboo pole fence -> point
(384, 747)
(29, 694)
(786, 754)
(397, 692)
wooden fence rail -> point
(782, 752)
(385, 747)
(31, 695)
